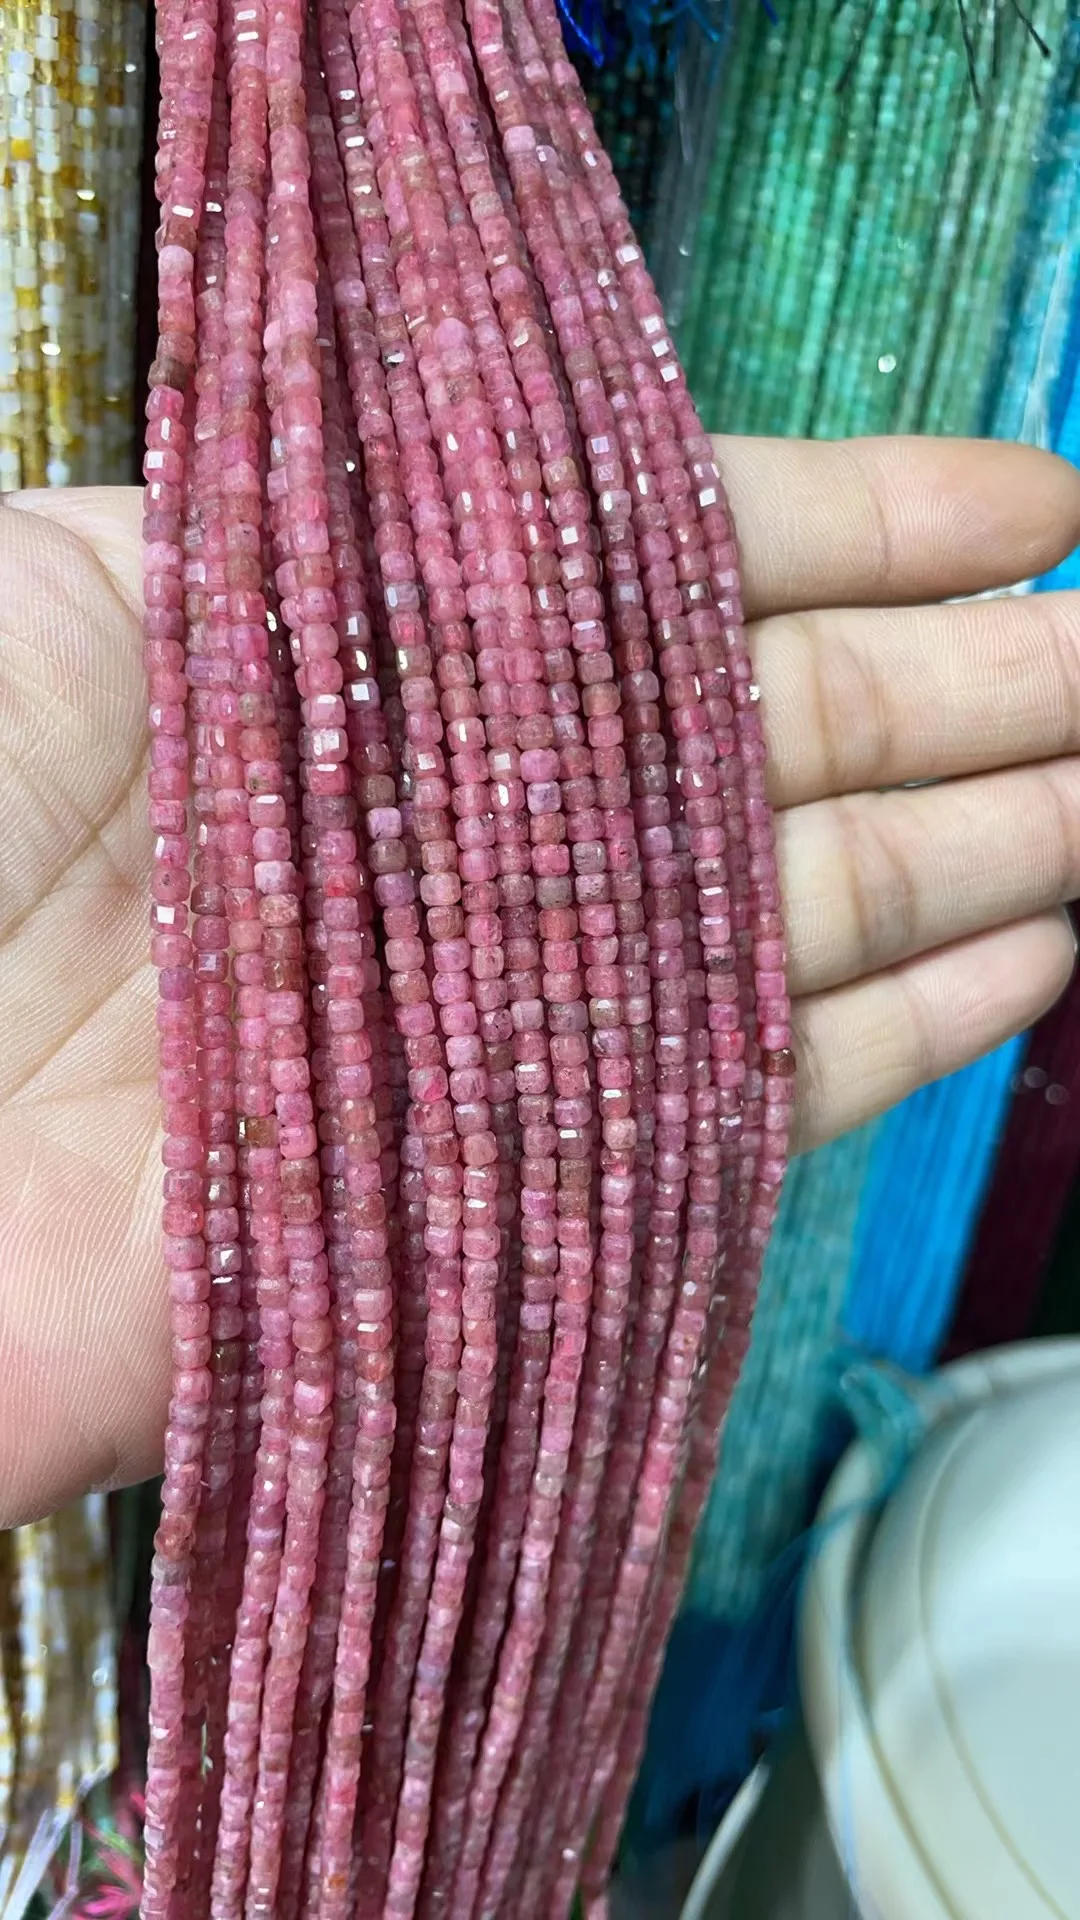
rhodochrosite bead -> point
(475, 1043)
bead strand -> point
(766, 943)
(563, 699)
(434, 1185)
(170, 790)
(262, 924)
(431, 1022)
(348, 1069)
(244, 683)
(612, 1035)
(329, 847)
(434, 889)
(214, 739)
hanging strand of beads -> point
(475, 1043)
(70, 157)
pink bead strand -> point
(555, 625)
(750, 758)
(265, 943)
(435, 891)
(382, 786)
(626, 1752)
(358, 1197)
(329, 845)
(188, 51)
(212, 707)
(364, 369)
(250, 687)
(608, 1035)
(242, 433)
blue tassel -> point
(633, 31)
(725, 1691)
(585, 31)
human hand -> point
(924, 926)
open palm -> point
(924, 924)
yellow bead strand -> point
(10, 459)
(19, 106)
(71, 80)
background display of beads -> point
(71, 84)
(842, 205)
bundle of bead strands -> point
(475, 1045)
(70, 152)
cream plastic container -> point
(940, 1653)
(940, 1671)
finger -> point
(873, 698)
(825, 523)
(861, 1049)
(875, 879)
(819, 522)
(853, 698)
